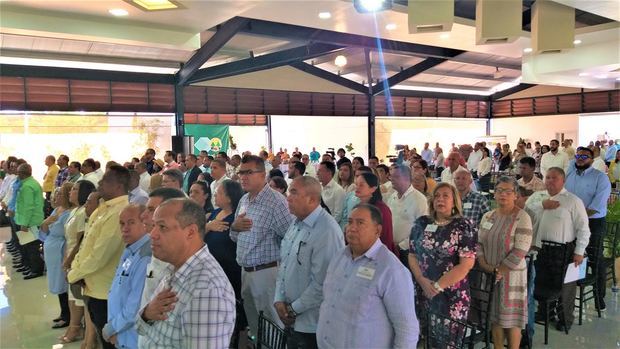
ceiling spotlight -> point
(601, 76)
(390, 26)
(444, 36)
(527, 50)
(498, 74)
(577, 42)
(325, 15)
(118, 12)
(368, 6)
(583, 74)
(340, 61)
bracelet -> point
(437, 287)
(291, 312)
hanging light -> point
(340, 61)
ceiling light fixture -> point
(325, 15)
(340, 61)
(583, 74)
(369, 6)
(498, 74)
(527, 50)
(577, 42)
(445, 36)
(154, 5)
(118, 12)
(601, 76)
(390, 26)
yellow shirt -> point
(75, 224)
(101, 249)
(49, 178)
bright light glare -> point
(527, 50)
(371, 5)
(583, 74)
(325, 15)
(87, 65)
(340, 61)
(445, 36)
(118, 12)
(497, 88)
(577, 42)
(390, 26)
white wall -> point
(592, 127)
(250, 138)
(321, 132)
(536, 128)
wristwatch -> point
(291, 312)
(437, 287)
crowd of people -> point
(185, 252)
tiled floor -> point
(27, 308)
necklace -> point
(443, 222)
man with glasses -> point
(310, 243)
(261, 221)
(593, 188)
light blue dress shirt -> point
(126, 293)
(610, 153)
(307, 249)
(592, 187)
(427, 155)
(350, 201)
(368, 302)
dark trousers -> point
(32, 257)
(569, 292)
(98, 309)
(47, 204)
(300, 340)
(63, 299)
(598, 229)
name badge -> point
(487, 225)
(467, 205)
(366, 273)
(431, 227)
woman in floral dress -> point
(442, 251)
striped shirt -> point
(270, 221)
(203, 316)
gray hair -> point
(190, 213)
(311, 185)
(559, 170)
(509, 180)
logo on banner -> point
(209, 144)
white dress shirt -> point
(386, 189)
(599, 164)
(563, 224)
(310, 170)
(92, 177)
(145, 181)
(333, 196)
(474, 159)
(484, 166)
(405, 210)
(550, 160)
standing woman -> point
(346, 176)
(438, 161)
(442, 250)
(224, 249)
(505, 237)
(74, 232)
(368, 192)
(484, 170)
(506, 157)
(54, 251)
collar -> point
(117, 200)
(312, 217)
(407, 192)
(136, 246)
(562, 192)
(189, 264)
(260, 194)
(371, 253)
(330, 184)
(584, 172)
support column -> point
(179, 110)
(269, 136)
(371, 106)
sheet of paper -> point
(574, 273)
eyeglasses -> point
(504, 191)
(249, 172)
(582, 157)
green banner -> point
(212, 138)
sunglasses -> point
(582, 157)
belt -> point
(260, 267)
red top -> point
(387, 236)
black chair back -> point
(444, 332)
(551, 265)
(270, 335)
(482, 287)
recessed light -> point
(154, 5)
(583, 74)
(444, 36)
(527, 50)
(118, 12)
(617, 79)
(325, 15)
(577, 42)
(340, 61)
(390, 26)
(601, 76)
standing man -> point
(126, 292)
(528, 180)
(194, 305)
(169, 160)
(145, 177)
(63, 172)
(610, 153)
(560, 216)
(95, 264)
(453, 160)
(314, 155)
(28, 217)
(342, 158)
(474, 159)
(136, 194)
(593, 188)
(149, 160)
(218, 172)
(427, 154)
(261, 221)
(75, 174)
(475, 205)
(553, 158)
(310, 243)
(368, 295)
(192, 173)
(296, 169)
(407, 204)
(333, 194)
(48, 182)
